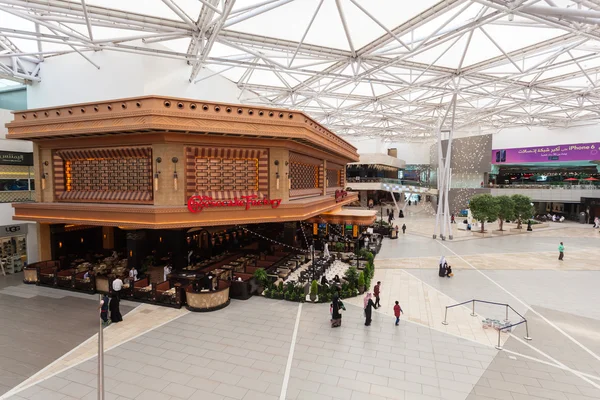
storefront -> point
(194, 195)
(13, 248)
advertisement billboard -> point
(541, 154)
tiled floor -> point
(38, 325)
(270, 349)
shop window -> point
(16, 183)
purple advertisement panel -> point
(556, 153)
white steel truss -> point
(507, 62)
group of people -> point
(111, 305)
(445, 269)
(337, 306)
(555, 217)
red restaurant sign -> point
(198, 203)
(340, 195)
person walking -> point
(104, 310)
(117, 285)
(403, 229)
(397, 311)
(115, 312)
(377, 291)
(561, 251)
(336, 307)
(368, 303)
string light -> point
(272, 241)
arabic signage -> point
(15, 158)
(340, 195)
(563, 152)
(198, 203)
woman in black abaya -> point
(368, 303)
(336, 315)
(115, 313)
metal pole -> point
(101, 358)
(445, 317)
(527, 331)
(313, 259)
(498, 347)
(473, 313)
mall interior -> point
(195, 194)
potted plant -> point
(314, 289)
(261, 278)
(351, 276)
(361, 282)
(339, 247)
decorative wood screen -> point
(226, 173)
(335, 176)
(121, 175)
(306, 174)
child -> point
(397, 311)
(104, 310)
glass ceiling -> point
(361, 67)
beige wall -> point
(283, 156)
(44, 242)
(40, 156)
(167, 195)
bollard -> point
(498, 347)
(101, 359)
(526, 331)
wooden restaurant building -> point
(199, 186)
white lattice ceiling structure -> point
(362, 67)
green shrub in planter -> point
(261, 277)
(361, 282)
(351, 276)
(314, 290)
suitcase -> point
(336, 322)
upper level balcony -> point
(390, 185)
(549, 193)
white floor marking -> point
(528, 307)
(563, 366)
(288, 366)
(18, 389)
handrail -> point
(473, 301)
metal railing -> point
(387, 180)
(17, 196)
(500, 329)
(556, 186)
